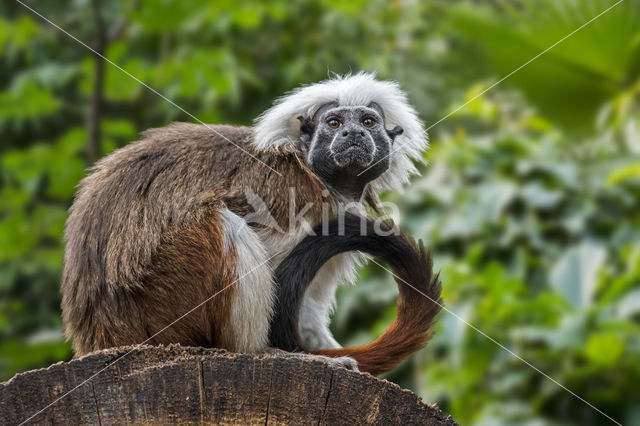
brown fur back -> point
(143, 239)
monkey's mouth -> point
(352, 154)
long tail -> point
(419, 289)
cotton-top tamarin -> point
(191, 211)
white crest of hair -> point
(252, 306)
(279, 126)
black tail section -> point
(417, 307)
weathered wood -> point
(176, 384)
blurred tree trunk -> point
(94, 116)
(101, 40)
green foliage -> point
(529, 200)
(540, 251)
(15, 357)
(588, 68)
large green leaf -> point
(574, 275)
(581, 72)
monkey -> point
(418, 305)
(174, 238)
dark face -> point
(347, 147)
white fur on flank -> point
(254, 292)
(279, 125)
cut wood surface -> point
(176, 384)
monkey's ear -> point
(396, 131)
(307, 127)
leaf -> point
(50, 75)
(574, 274)
(27, 100)
(631, 171)
(493, 197)
(539, 197)
(570, 81)
(629, 305)
(604, 348)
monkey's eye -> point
(368, 122)
(333, 123)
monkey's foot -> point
(337, 362)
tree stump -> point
(176, 384)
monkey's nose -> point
(346, 133)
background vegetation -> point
(530, 201)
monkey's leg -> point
(180, 296)
(319, 300)
(215, 270)
(314, 323)
(254, 289)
